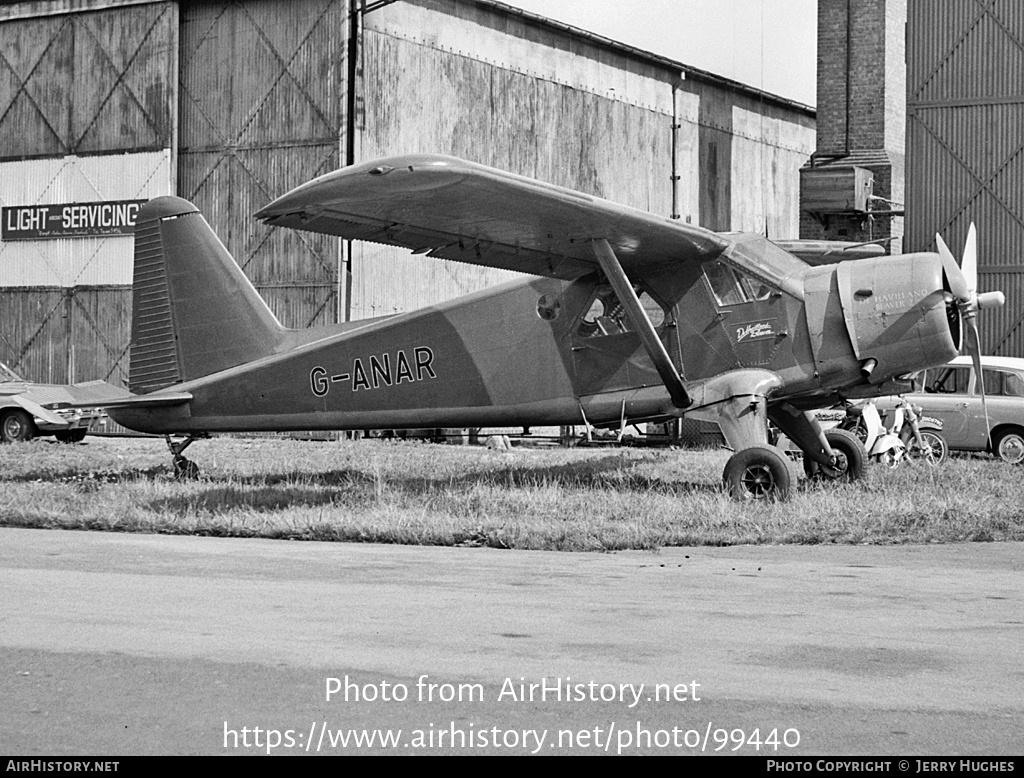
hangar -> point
(106, 103)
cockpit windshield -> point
(758, 257)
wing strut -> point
(648, 335)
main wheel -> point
(1010, 446)
(16, 425)
(757, 473)
(939, 450)
(850, 458)
(70, 436)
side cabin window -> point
(999, 383)
(606, 315)
(731, 287)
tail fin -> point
(194, 312)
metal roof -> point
(647, 56)
(21, 10)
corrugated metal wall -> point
(74, 90)
(498, 117)
(965, 147)
(456, 78)
(66, 335)
(262, 100)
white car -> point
(951, 404)
(28, 409)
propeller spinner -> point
(963, 284)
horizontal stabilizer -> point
(155, 400)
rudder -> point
(193, 310)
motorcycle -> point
(903, 438)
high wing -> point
(450, 208)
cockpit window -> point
(731, 287)
(607, 316)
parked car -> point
(950, 403)
(28, 409)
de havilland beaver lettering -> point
(626, 317)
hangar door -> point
(86, 115)
(261, 111)
(965, 150)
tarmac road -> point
(145, 644)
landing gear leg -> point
(835, 455)
(184, 469)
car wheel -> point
(70, 436)
(1010, 447)
(933, 440)
(758, 473)
(16, 425)
(850, 458)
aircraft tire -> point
(15, 426)
(758, 473)
(851, 458)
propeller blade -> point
(969, 266)
(957, 281)
(974, 347)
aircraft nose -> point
(897, 313)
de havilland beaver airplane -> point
(626, 317)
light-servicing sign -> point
(68, 220)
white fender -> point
(889, 444)
(874, 424)
(897, 421)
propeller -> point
(963, 284)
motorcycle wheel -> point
(938, 453)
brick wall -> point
(862, 108)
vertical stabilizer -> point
(193, 311)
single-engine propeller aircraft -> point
(626, 317)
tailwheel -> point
(184, 469)
(849, 462)
(70, 436)
(758, 473)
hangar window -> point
(733, 288)
(607, 316)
